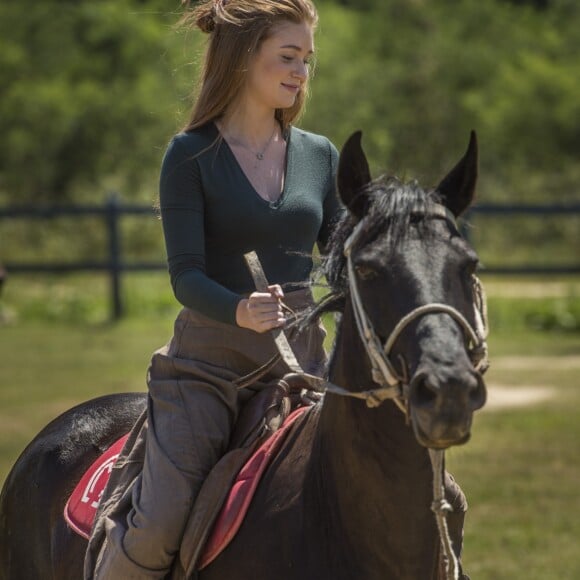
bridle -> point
(393, 384)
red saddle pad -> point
(238, 501)
(81, 508)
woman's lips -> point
(291, 88)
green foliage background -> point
(90, 93)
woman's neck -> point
(248, 125)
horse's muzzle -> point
(442, 406)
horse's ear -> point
(353, 175)
(458, 188)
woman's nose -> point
(301, 71)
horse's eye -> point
(471, 265)
(365, 272)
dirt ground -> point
(503, 396)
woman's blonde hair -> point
(236, 30)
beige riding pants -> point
(192, 407)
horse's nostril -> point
(477, 393)
(424, 392)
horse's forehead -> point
(427, 235)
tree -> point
(416, 76)
(88, 97)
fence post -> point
(115, 266)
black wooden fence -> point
(570, 209)
(113, 212)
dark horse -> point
(350, 494)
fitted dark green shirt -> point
(212, 216)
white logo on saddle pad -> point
(93, 491)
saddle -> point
(262, 425)
(225, 497)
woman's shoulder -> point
(186, 149)
(313, 143)
(314, 139)
(194, 141)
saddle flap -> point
(220, 509)
(263, 413)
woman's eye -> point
(365, 272)
(307, 61)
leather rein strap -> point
(280, 339)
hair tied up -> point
(207, 15)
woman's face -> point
(280, 68)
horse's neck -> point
(376, 482)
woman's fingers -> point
(261, 311)
(276, 291)
(266, 310)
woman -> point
(240, 177)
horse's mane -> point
(392, 205)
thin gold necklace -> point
(258, 154)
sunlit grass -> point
(520, 471)
(521, 475)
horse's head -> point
(419, 303)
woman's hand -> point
(261, 311)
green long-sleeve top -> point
(212, 216)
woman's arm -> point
(182, 214)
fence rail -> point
(539, 210)
(113, 211)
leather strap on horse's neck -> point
(441, 507)
(280, 338)
(373, 397)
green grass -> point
(47, 368)
(520, 471)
